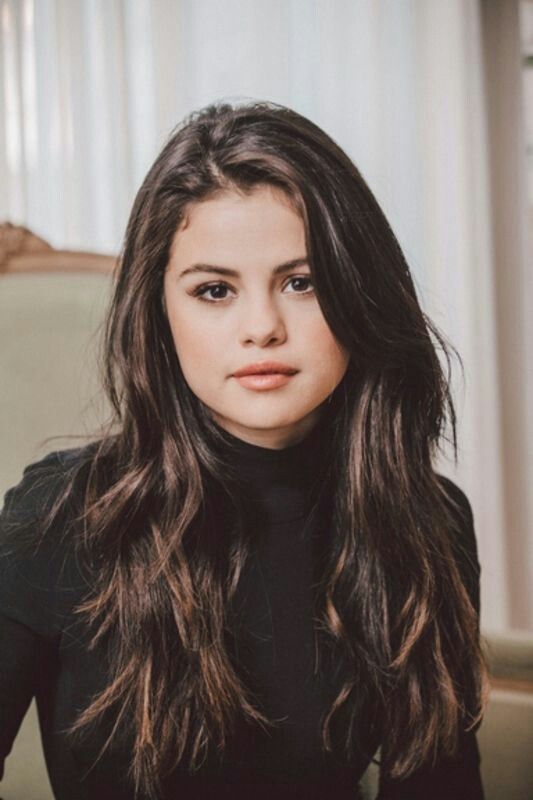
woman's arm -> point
(460, 778)
(21, 653)
(35, 593)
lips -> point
(265, 368)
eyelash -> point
(200, 291)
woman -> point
(253, 579)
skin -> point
(257, 316)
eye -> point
(299, 279)
(219, 287)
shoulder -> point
(462, 535)
(461, 514)
(455, 495)
(40, 574)
(41, 481)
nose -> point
(262, 323)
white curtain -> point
(89, 90)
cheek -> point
(194, 342)
(197, 354)
(331, 354)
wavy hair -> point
(391, 600)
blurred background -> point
(434, 103)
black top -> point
(44, 653)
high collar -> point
(279, 482)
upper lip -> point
(263, 367)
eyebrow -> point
(232, 273)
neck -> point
(271, 438)
(280, 483)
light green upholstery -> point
(48, 376)
(506, 734)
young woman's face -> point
(232, 303)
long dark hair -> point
(391, 597)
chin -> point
(260, 421)
(263, 423)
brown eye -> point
(299, 280)
(216, 288)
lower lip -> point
(266, 381)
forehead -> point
(234, 199)
(241, 227)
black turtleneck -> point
(44, 650)
(273, 609)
